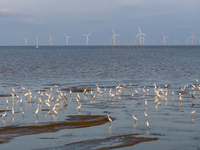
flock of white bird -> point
(53, 102)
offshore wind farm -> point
(99, 75)
(140, 35)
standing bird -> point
(70, 92)
(109, 119)
(23, 115)
(7, 101)
(145, 113)
(78, 107)
(134, 118)
(13, 89)
(193, 112)
(147, 123)
(13, 112)
(4, 115)
(37, 110)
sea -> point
(159, 85)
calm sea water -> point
(88, 66)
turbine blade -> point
(89, 33)
(139, 29)
(137, 36)
(143, 34)
(113, 31)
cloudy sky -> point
(175, 19)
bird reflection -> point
(54, 117)
(109, 129)
(135, 125)
(4, 122)
(147, 131)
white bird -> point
(3, 116)
(78, 107)
(55, 111)
(37, 110)
(13, 112)
(70, 91)
(145, 102)
(147, 123)
(134, 118)
(78, 95)
(47, 104)
(23, 115)
(77, 100)
(109, 119)
(85, 90)
(23, 88)
(193, 112)
(13, 89)
(7, 101)
(26, 94)
(145, 113)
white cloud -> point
(8, 12)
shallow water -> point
(79, 67)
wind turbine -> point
(114, 36)
(140, 34)
(25, 41)
(164, 37)
(37, 42)
(87, 37)
(143, 38)
(191, 37)
(176, 42)
(50, 38)
(67, 38)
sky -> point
(176, 19)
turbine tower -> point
(37, 42)
(87, 37)
(114, 36)
(25, 41)
(143, 38)
(50, 38)
(140, 34)
(191, 37)
(67, 38)
(164, 37)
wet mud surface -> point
(9, 132)
(113, 142)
